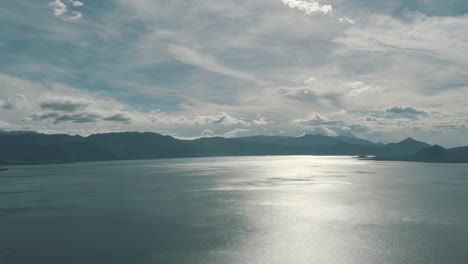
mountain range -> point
(22, 147)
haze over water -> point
(297, 209)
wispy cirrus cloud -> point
(209, 63)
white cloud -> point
(6, 126)
(207, 132)
(347, 20)
(235, 132)
(18, 101)
(419, 61)
(359, 88)
(314, 119)
(61, 10)
(262, 122)
(58, 7)
(193, 57)
(75, 16)
(311, 80)
(76, 3)
(440, 37)
(222, 119)
(308, 7)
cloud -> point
(58, 118)
(308, 7)
(235, 132)
(75, 16)
(222, 119)
(322, 130)
(359, 88)
(6, 126)
(76, 3)
(61, 10)
(63, 104)
(193, 57)
(315, 119)
(81, 117)
(308, 94)
(207, 132)
(418, 36)
(262, 122)
(409, 112)
(347, 20)
(17, 101)
(245, 58)
(58, 7)
(119, 117)
(79, 109)
(311, 80)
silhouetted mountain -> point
(439, 154)
(404, 148)
(307, 140)
(18, 132)
(34, 148)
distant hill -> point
(307, 140)
(404, 148)
(35, 148)
(439, 154)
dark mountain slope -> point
(34, 148)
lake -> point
(297, 209)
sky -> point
(377, 69)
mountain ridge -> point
(36, 148)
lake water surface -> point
(298, 209)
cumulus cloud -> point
(307, 7)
